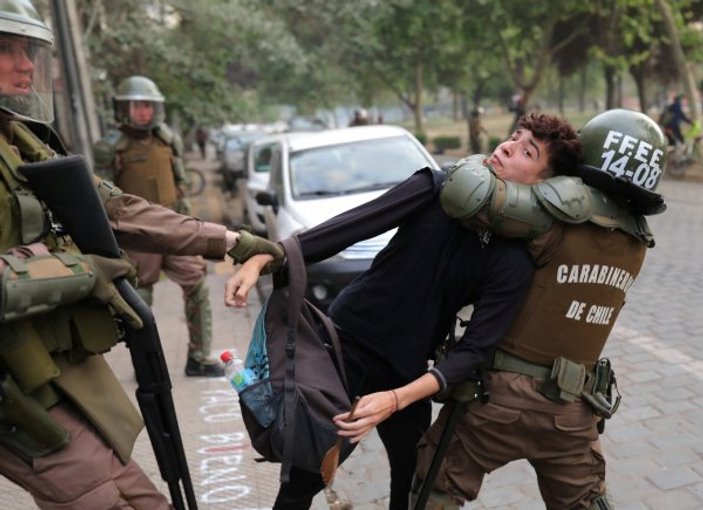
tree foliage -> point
(235, 60)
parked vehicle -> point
(258, 160)
(307, 123)
(315, 176)
(233, 154)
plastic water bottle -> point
(238, 376)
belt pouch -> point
(566, 381)
(26, 357)
(25, 426)
(95, 327)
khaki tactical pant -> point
(559, 440)
(189, 273)
(85, 475)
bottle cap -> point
(226, 356)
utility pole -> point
(76, 119)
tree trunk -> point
(562, 93)
(609, 87)
(638, 75)
(582, 89)
(419, 124)
(684, 70)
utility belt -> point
(565, 381)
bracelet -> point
(395, 400)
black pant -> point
(368, 373)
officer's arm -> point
(478, 199)
(179, 171)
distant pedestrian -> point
(517, 106)
(671, 120)
(476, 131)
(201, 137)
(361, 118)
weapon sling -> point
(67, 188)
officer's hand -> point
(249, 245)
(104, 290)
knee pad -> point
(199, 320)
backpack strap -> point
(297, 280)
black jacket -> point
(404, 306)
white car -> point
(315, 176)
(257, 165)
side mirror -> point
(267, 197)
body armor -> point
(146, 171)
(581, 290)
(149, 167)
(58, 349)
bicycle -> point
(684, 154)
(194, 183)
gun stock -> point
(67, 187)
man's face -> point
(141, 112)
(15, 66)
(522, 158)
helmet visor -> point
(139, 114)
(25, 77)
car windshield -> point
(355, 167)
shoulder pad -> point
(104, 154)
(112, 137)
(568, 199)
(609, 213)
(468, 187)
(168, 136)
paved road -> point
(654, 445)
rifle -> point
(67, 187)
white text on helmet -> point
(646, 174)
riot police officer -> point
(550, 390)
(144, 157)
(67, 428)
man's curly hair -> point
(563, 143)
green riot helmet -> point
(138, 103)
(624, 155)
(26, 88)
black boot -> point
(205, 368)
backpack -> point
(297, 359)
